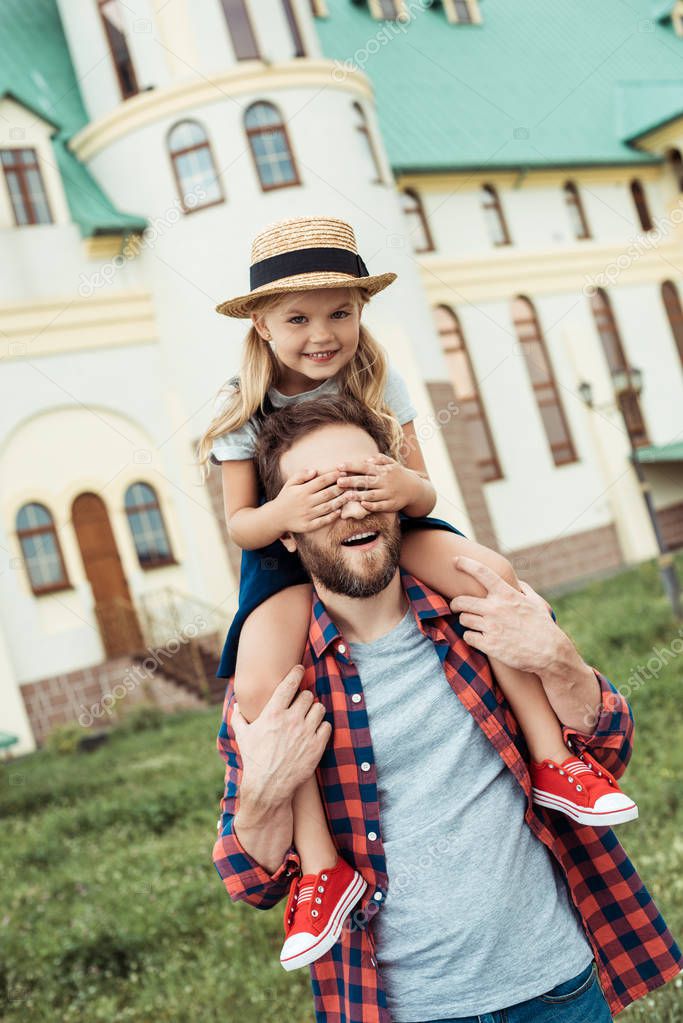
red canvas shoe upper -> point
(580, 779)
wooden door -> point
(116, 615)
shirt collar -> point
(425, 602)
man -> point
(478, 901)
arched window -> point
(113, 19)
(368, 143)
(193, 166)
(672, 304)
(629, 402)
(147, 526)
(241, 32)
(419, 225)
(40, 547)
(676, 163)
(495, 219)
(542, 380)
(294, 28)
(25, 186)
(467, 392)
(270, 146)
(638, 193)
(576, 211)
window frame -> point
(675, 320)
(154, 505)
(474, 15)
(51, 528)
(130, 63)
(549, 383)
(250, 26)
(401, 12)
(641, 204)
(174, 154)
(638, 438)
(419, 210)
(260, 130)
(476, 401)
(363, 126)
(295, 31)
(495, 204)
(20, 169)
(573, 201)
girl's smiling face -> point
(312, 333)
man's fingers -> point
(475, 639)
(489, 579)
(324, 731)
(472, 621)
(466, 603)
(284, 690)
(303, 702)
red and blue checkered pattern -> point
(634, 951)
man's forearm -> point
(264, 830)
(572, 689)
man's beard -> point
(325, 564)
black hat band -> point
(303, 261)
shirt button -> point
(365, 766)
(378, 896)
(372, 961)
(356, 697)
(341, 648)
(372, 835)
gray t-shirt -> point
(241, 443)
(478, 915)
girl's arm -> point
(305, 502)
(383, 484)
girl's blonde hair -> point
(364, 377)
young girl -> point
(308, 289)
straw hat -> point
(300, 254)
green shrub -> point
(140, 718)
(64, 739)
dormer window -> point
(25, 187)
(389, 10)
(463, 12)
(113, 19)
(677, 17)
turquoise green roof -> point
(662, 452)
(642, 106)
(36, 70)
(537, 84)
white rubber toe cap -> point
(296, 944)
(613, 801)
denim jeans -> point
(579, 1000)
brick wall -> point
(87, 695)
(454, 431)
(567, 559)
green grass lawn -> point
(112, 909)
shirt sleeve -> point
(236, 445)
(243, 877)
(397, 397)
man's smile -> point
(364, 539)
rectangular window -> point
(241, 31)
(25, 186)
(113, 20)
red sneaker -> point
(581, 788)
(316, 909)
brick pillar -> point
(465, 469)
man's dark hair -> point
(281, 430)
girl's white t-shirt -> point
(241, 443)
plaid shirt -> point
(634, 951)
